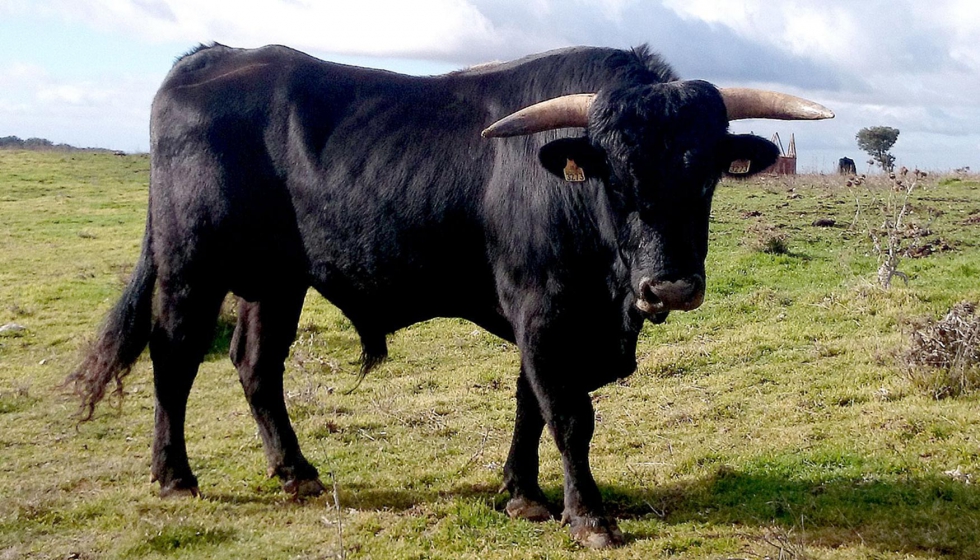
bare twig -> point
(783, 543)
(340, 517)
(477, 455)
(661, 513)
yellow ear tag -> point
(740, 166)
(574, 173)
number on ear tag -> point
(740, 166)
(574, 173)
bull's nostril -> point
(648, 301)
(647, 293)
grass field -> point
(775, 421)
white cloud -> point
(16, 74)
(802, 28)
(32, 83)
(368, 27)
(610, 9)
(75, 94)
(868, 37)
(963, 21)
(111, 112)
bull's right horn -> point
(748, 103)
(566, 111)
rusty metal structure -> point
(786, 164)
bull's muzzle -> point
(659, 296)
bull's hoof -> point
(178, 490)
(594, 532)
(304, 488)
(530, 510)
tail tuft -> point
(122, 338)
(92, 377)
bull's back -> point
(363, 183)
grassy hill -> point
(775, 421)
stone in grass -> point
(12, 329)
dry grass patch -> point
(767, 238)
(943, 357)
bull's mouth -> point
(655, 318)
(655, 308)
(658, 298)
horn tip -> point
(820, 112)
(500, 129)
(494, 131)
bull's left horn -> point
(747, 103)
(566, 111)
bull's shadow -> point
(935, 516)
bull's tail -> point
(124, 334)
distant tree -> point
(43, 144)
(35, 143)
(11, 142)
(876, 141)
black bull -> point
(273, 172)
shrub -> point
(888, 213)
(943, 357)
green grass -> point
(773, 421)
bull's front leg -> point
(568, 412)
(527, 501)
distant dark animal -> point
(273, 171)
(845, 166)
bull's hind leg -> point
(521, 470)
(259, 347)
(182, 333)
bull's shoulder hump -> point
(213, 64)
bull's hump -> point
(218, 64)
(218, 75)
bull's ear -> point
(747, 154)
(573, 159)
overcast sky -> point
(84, 71)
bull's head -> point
(661, 148)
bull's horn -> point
(566, 111)
(747, 103)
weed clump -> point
(944, 356)
(766, 238)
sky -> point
(84, 72)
